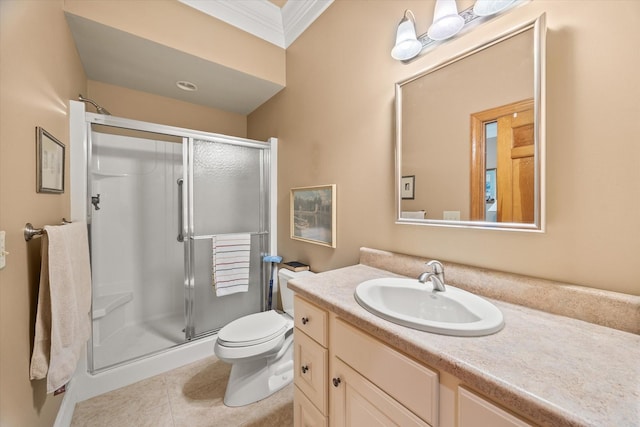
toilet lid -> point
(253, 329)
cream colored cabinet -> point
(312, 320)
(355, 401)
(310, 364)
(373, 384)
(474, 411)
(305, 414)
(346, 377)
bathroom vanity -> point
(354, 368)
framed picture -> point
(408, 187)
(50, 163)
(313, 214)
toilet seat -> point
(255, 335)
(253, 329)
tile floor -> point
(190, 396)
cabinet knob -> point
(336, 382)
(305, 320)
(304, 368)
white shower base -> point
(85, 385)
(138, 340)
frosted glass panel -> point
(226, 188)
(228, 191)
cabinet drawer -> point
(304, 413)
(474, 410)
(310, 367)
(413, 385)
(311, 319)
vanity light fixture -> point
(407, 44)
(447, 22)
(490, 7)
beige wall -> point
(181, 27)
(335, 124)
(137, 105)
(39, 71)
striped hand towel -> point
(231, 263)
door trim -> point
(478, 149)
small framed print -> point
(50, 163)
(408, 187)
(313, 214)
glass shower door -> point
(156, 196)
(227, 192)
(137, 263)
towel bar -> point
(30, 232)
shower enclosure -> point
(155, 197)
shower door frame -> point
(268, 218)
(190, 235)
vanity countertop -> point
(555, 370)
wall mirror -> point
(469, 137)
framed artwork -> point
(408, 187)
(313, 214)
(49, 163)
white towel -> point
(63, 321)
(231, 263)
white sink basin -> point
(410, 303)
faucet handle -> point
(437, 268)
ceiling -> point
(116, 57)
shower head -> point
(99, 109)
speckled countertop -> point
(555, 370)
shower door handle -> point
(180, 216)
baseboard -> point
(65, 413)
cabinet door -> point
(304, 413)
(411, 384)
(357, 402)
(474, 410)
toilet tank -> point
(286, 294)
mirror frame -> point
(539, 47)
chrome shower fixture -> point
(99, 109)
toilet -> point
(260, 348)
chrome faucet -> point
(436, 276)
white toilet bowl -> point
(260, 348)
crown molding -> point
(297, 16)
(263, 19)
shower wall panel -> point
(134, 231)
